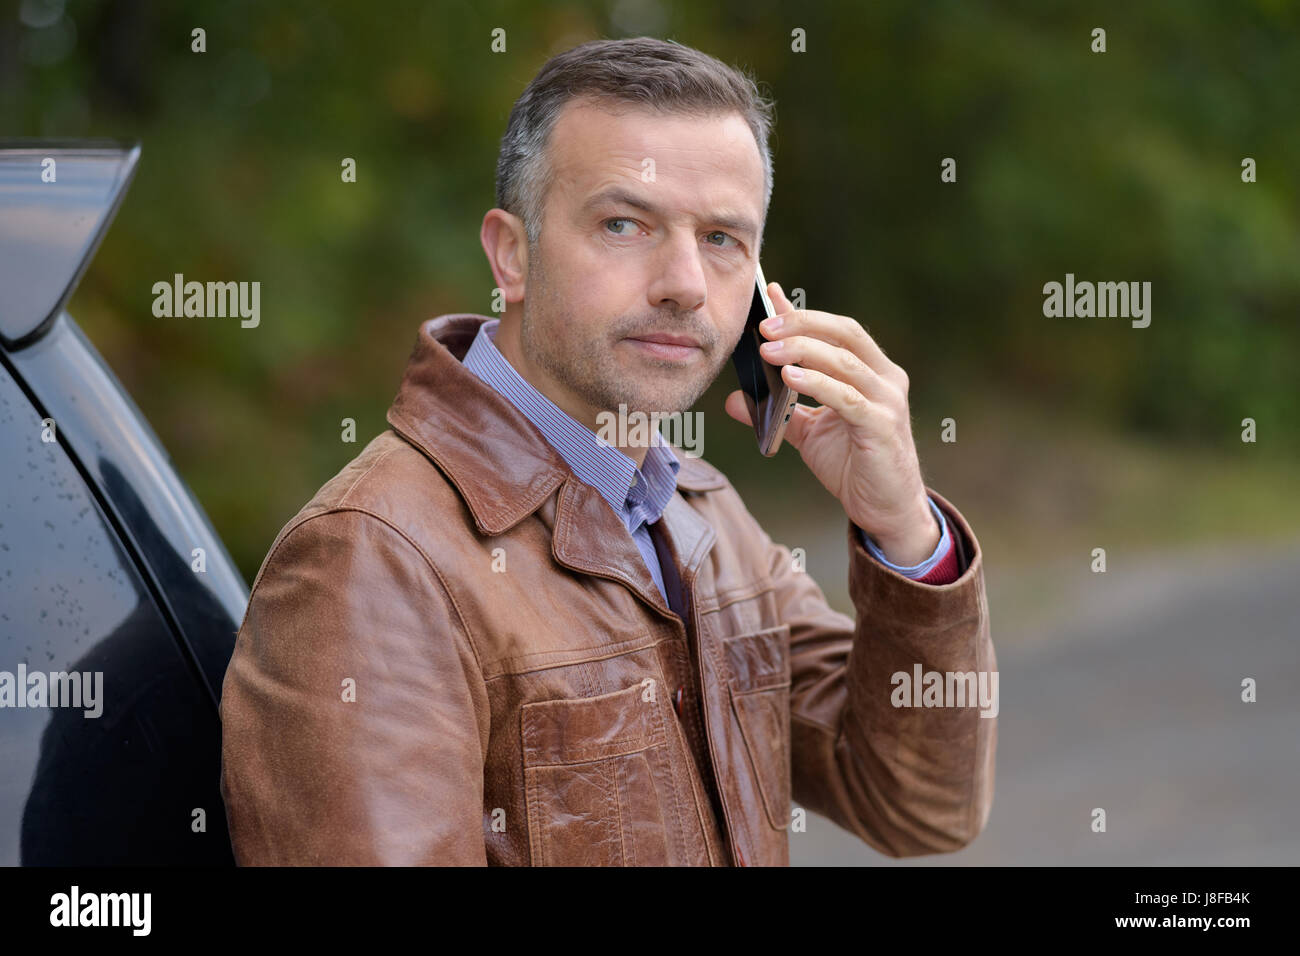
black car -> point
(116, 595)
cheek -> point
(731, 338)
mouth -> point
(667, 346)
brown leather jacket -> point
(454, 654)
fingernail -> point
(772, 323)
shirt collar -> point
(636, 494)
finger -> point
(837, 362)
(779, 300)
(841, 330)
(873, 418)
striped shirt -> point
(637, 495)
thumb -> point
(797, 429)
(736, 407)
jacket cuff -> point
(884, 593)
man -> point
(493, 638)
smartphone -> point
(770, 400)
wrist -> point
(914, 544)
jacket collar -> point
(504, 468)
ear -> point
(506, 244)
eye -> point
(725, 236)
(608, 221)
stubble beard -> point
(589, 370)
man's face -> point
(630, 251)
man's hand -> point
(859, 442)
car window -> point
(109, 746)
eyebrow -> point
(617, 194)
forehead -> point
(713, 157)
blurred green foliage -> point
(1117, 166)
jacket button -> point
(677, 700)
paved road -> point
(1122, 690)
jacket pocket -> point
(760, 697)
(591, 790)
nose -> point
(679, 281)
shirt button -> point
(677, 700)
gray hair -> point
(660, 75)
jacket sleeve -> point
(354, 715)
(906, 780)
